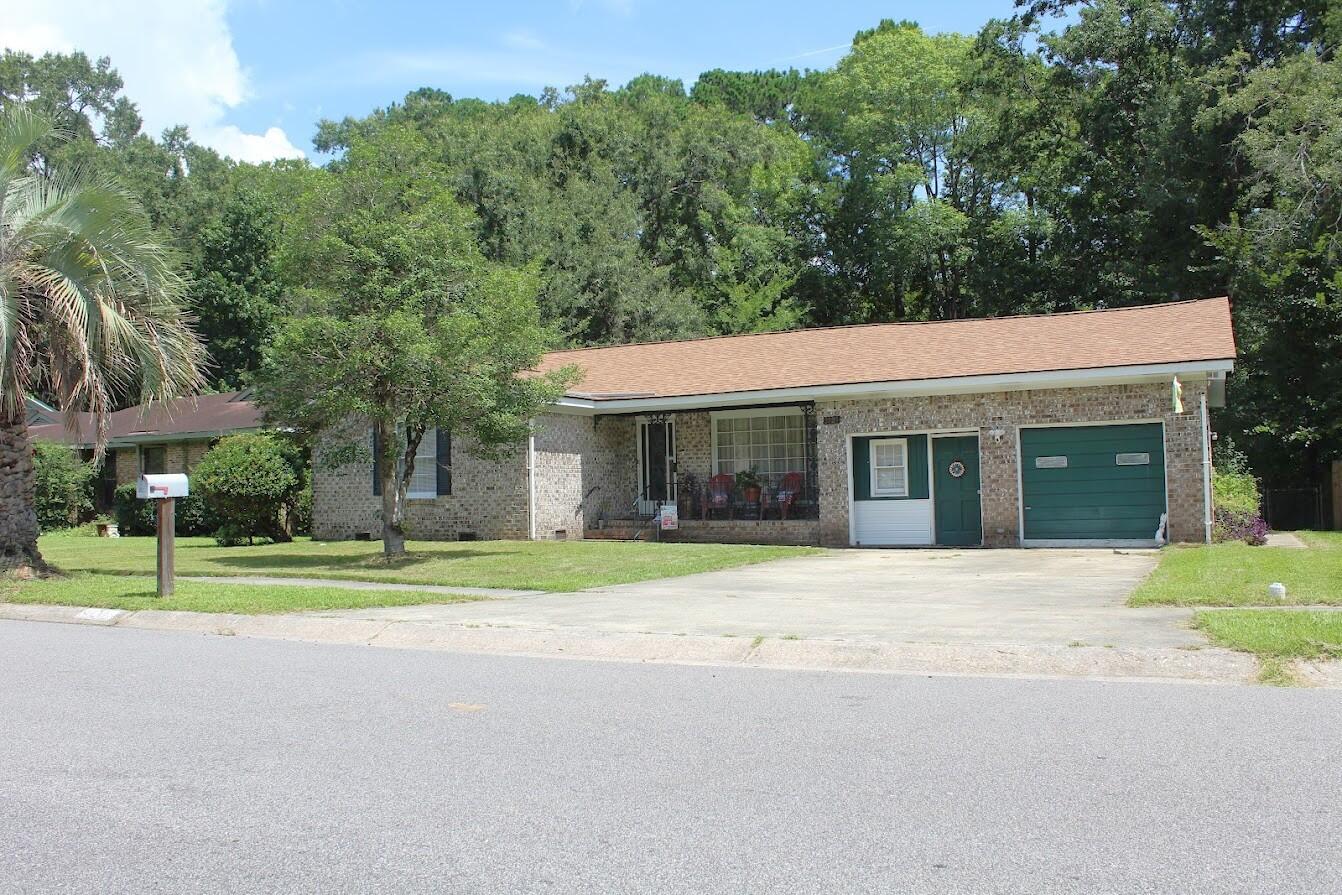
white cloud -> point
(175, 56)
(523, 40)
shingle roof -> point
(209, 414)
(1175, 332)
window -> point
(424, 480)
(152, 460)
(889, 468)
(769, 444)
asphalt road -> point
(137, 761)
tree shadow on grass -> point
(371, 562)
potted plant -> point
(748, 482)
(107, 527)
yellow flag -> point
(1177, 395)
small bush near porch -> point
(522, 565)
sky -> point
(251, 78)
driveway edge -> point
(1174, 665)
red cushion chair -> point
(719, 494)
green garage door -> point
(1093, 482)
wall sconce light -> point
(997, 434)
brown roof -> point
(206, 415)
(1175, 332)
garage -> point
(1092, 483)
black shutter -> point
(377, 464)
(444, 461)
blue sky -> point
(252, 77)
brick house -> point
(1079, 428)
(168, 436)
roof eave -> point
(1093, 376)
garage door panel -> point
(1091, 496)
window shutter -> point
(444, 461)
(377, 464)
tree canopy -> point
(1076, 155)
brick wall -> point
(181, 456)
(1007, 411)
(489, 497)
(745, 531)
(586, 468)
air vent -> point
(467, 536)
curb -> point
(1207, 666)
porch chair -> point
(719, 496)
(788, 490)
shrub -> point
(133, 516)
(64, 486)
(300, 511)
(247, 480)
(1237, 515)
(194, 516)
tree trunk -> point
(393, 504)
(18, 490)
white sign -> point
(1050, 462)
(1132, 459)
(669, 517)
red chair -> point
(788, 490)
(719, 495)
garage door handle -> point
(1029, 508)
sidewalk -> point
(1207, 665)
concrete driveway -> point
(1019, 597)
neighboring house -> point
(169, 436)
(1084, 428)
(40, 413)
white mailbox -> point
(157, 487)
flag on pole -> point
(1177, 395)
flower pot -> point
(751, 493)
(108, 530)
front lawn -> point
(1276, 633)
(1238, 575)
(136, 592)
(1276, 636)
(522, 565)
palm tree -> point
(90, 313)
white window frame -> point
(784, 410)
(904, 467)
(428, 443)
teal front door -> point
(955, 486)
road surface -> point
(140, 761)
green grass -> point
(1275, 636)
(136, 592)
(1277, 633)
(1238, 575)
(524, 565)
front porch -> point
(732, 476)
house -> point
(167, 436)
(39, 413)
(1077, 428)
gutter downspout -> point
(531, 485)
(1206, 472)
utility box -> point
(158, 487)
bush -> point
(133, 516)
(194, 516)
(1237, 515)
(300, 511)
(247, 480)
(64, 486)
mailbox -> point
(157, 487)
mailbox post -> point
(164, 489)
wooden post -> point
(166, 535)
